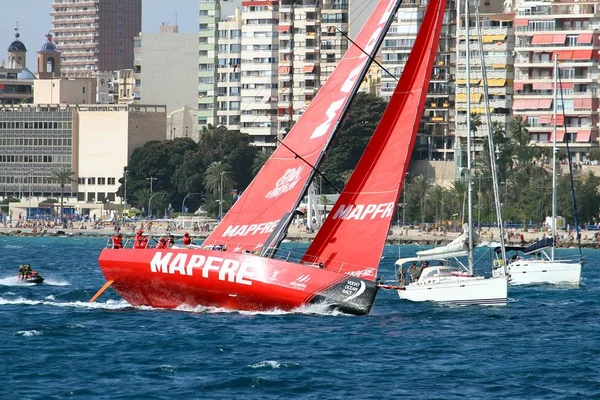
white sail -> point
(458, 245)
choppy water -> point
(53, 344)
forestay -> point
(263, 212)
(352, 237)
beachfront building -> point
(260, 43)
(497, 37)
(165, 72)
(93, 141)
(567, 30)
(210, 14)
(16, 81)
(95, 35)
(435, 138)
(229, 76)
(310, 47)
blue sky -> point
(34, 20)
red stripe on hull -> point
(191, 277)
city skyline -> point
(33, 17)
(34, 22)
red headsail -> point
(352, 238)
(266, 206)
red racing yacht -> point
(339, 269)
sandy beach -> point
(295, 233)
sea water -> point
(545, 344)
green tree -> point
(260, 159)
(63, 177)
(218, 177)
(420, 186)
(142, 198)
(435, 197)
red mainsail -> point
(352, 238)
(265, 208)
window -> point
(111, 181)
(91, 181)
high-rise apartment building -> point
(497, 39)
(436, 132)
(270, 61)
(567, 30)
(310, 47)
(259, 68)
(95, 35)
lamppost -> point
(151, 179)
(186, 131)
(29, 198)
(150, 204)
(221, 198)
(125, 186)
(183, 202)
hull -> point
(33, 281)
(459, 290)
(233, 281)
(524, 272)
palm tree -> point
(62, 177)
(435, 195)
(216, 173)
(460, 191)
(142, 197)
(419, 185)
(260, 159)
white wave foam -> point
(108, 305)
(266, 364)
(318, 309)
(167, 368)
(28, 333)
(12, 246)
(11, 281)
(50, 297)
(15, 281)
(56, 282)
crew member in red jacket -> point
(187, 240)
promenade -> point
(297, 233)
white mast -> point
(492, 146)
(554, 151)
(469, 188)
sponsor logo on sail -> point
(287, 182)
(353, 76)
(194, 264)
(253, 229)
(364, 211)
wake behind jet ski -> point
(27, 275)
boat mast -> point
(469, 188)
(491, 143)
(554, 151)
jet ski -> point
(27, 275)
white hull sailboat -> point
(537, 271)
(537, 263)
(452, 281)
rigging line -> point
(575, 216)
(367, 54)
(310, 165)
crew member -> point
(162, 243)
(140, 241)
(22, 269)
(117, 241)
(171, 239)
(187, 240)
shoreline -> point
(398, 236)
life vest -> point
(117, 242)
(187, 240)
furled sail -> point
(261, 215)
(458, 245)
(352, 238)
